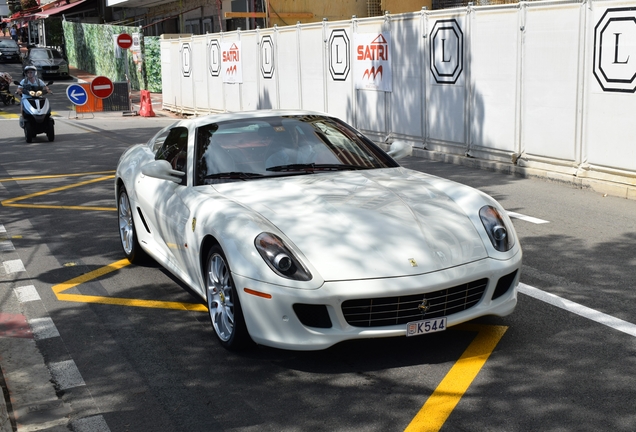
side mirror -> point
(161, 169)
(400, 149)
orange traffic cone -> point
(146, 105)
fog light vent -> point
(313, 315)
(504, 284)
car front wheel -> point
(224, 307)
(127, 232)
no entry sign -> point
(102, 87)
(124, 41)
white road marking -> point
(43, 328)
(13, 266)
(66, 374)
(527, 218)
(6, 245)
(26, 294)
(90, 424)
(584, 311)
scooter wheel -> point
(28, 132)
(50, 131)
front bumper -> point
(273, 321)
(5, 58)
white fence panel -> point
(339, 63)
(610, 127)
(168, 70)
(406, 112)
(446, 92)
(216, 91)
(187, 80)
(312, 67)
(371, 106)
(289, 72)
(249, 87)
(199, 75)
(268, 77)
(493, 59)
(550, 81)
(232, 91)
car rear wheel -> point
(224, 307)
(127, 232)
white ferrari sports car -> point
(299, 232)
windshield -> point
(240, 150)
(8, 43)
(40, 54)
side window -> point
(157, 141)
(175, 150)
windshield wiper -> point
(339, 167)
(311, 167)
(293, 167)
(234, 175)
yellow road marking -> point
(446, 396)
(17, 116)
(52, 176)
(80, 298)
(11, 202)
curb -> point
(599, 186)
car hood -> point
(365, 224)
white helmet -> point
(30, 68)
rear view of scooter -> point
(36, 112)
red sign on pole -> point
(124, 41)
(102, 87)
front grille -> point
(51, 69)
(385, 311)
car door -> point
(162, 202)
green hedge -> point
(91, 48)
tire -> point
(50, 131)
(29, 133)
(127, 231)
(224, 308)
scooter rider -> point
(30, 80)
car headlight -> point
(279, 258)
(496, 229)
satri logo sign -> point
(231, 65)
(615, 50)
(373, 61)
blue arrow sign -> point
(77, 94)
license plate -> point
(416, 328)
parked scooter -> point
(36, 112)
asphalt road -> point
(555, 368)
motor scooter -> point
(36, 113)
